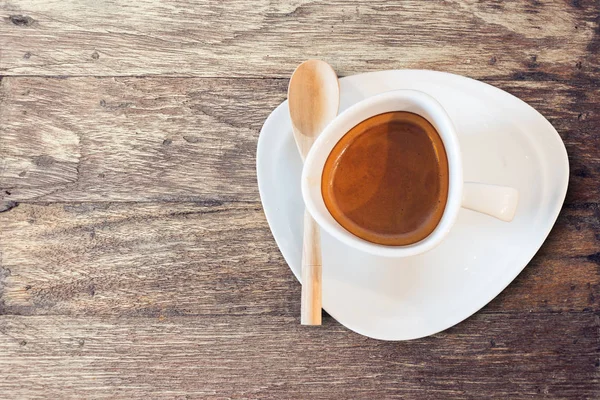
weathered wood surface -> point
(136, 262)
(133, 139)
(507, 356)
(269, 38)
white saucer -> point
(504, 141)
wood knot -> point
(43, 160)
(191, 139)
(7, 206)
(532, 63)
(21, 20)
(582, 172)
(595, 258)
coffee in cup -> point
(386, 180)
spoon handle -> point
(310, 309)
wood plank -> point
(549, 355)
(170, 259)
(192, 139)
(142, 259)
(135, 139)
(268, 39)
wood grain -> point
(546, 355)
(132, 139)
(268, 39)
(313, 102)
(311, 301)
(135, 259)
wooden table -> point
(135, 258)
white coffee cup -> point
(497, 201)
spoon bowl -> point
(314, 99)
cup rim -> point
(396, 100)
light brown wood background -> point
(135, 259)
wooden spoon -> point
(313, 98)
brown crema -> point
(386, 180)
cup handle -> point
(498, 201)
